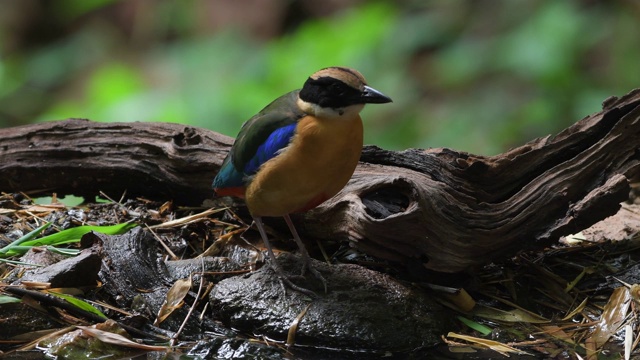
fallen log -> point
(450, 210)
(442, 209)
(81, 157)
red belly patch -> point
(231, 191)
(313, 203)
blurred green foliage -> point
(478, 76)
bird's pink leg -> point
(284, 279)
(305, 254)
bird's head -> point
(337, 91)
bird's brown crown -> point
(351, 77)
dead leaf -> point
(515, 315)
(491, 344)
(175, 299)
(115, 339)
(291, 335)
(613, 315)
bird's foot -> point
(285, 281)
(307, 266)
(305, 254)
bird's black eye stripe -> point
(330, 92)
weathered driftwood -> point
(450, 210)
(81, 157)
(440, 208)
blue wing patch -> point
(228, 176)
(260, 139)
(278, 140)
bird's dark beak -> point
(373, 96)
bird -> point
(297, 152)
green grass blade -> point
(63, 251)
(21, 249)
(25, 238)
(80, 304)
(74, 234)
(475, 326)
(16, 262)
(8, 299)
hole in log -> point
(189, 136)
(383, 202)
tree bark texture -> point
(81, 157)
(440, 208)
